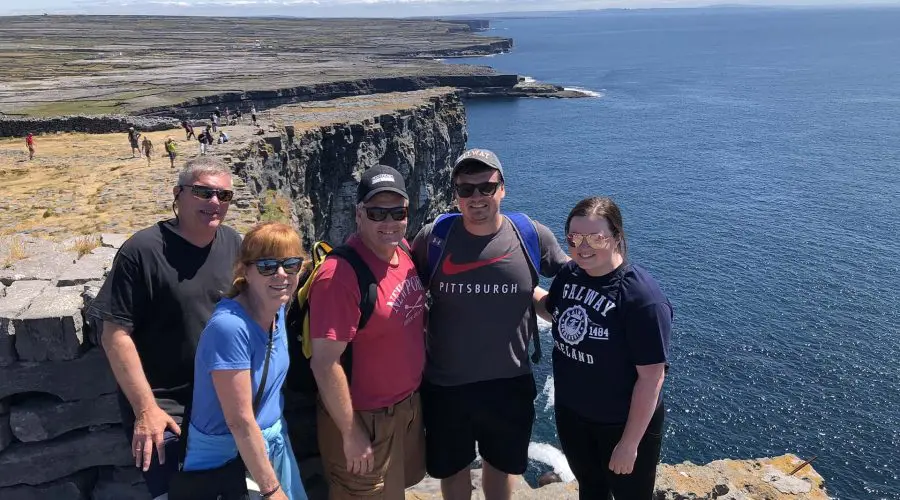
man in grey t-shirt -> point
(478, 384)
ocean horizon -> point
(755, 155)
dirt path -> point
(86, 184)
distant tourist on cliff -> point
(147, 148)
(29, 143)
(611, 329)
(223, 137)
(214, 118)
(480, 267)
(158, 296)
(171, 149)
(206, 139)
(239, 115)
(134, 140)
(188, 130)
(371, 434)
(241, 364)
(253, 114)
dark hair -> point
(599, 206)
(474, 167)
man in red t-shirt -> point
(370, 429)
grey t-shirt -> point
(479, 324)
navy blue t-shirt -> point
(602, 328)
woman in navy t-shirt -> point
(611, 328)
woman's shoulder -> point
(639, 287)
(228, 316)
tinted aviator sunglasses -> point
(268, 267)
(206, 193)
(466, 190)
(594, 240)
(379, 214)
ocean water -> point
(756, 157)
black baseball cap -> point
(380, 179)
(483, 156)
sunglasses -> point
(466, 190)
(594, 240)
(206, 193)
(268, 267)
(379, 214)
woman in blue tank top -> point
(611, 329)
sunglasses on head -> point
(206, 193)
(594, 240)
(466, 190)
(379, 214)
(268, 267)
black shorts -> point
(496, 414)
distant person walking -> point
(215, 122)
(29, 143)
(205, 139)
(171, 149)
(147, 148)
(133, 138)
(188, 130)
(253, 114)
(240, 115)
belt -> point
(390, 409)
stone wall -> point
(60, 432)
(11, 126)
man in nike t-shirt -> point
(478, 383)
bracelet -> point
(269, 494)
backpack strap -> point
(437, 241)
(531, 244)
(368, 286)
(528, 237)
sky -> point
(366, 8)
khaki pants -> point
(398, 441)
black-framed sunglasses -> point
(379, 214)
(466, 190)
(206, 193)
(268, 267)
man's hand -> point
(149, 432)
(358, 451)
(623, 457)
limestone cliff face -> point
(318, 168)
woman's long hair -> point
(268, 240)
(600, 206)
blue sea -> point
(756, 157)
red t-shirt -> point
(389, 353)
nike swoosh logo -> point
(449, 268)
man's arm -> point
(419, 250)
(150, 420)
(335, 392)
(539, 299)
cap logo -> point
(382, 178)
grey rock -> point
(74, 487)
(18, 296)
(36, 463)
(120, 483)
(42, 418)
(86, 377)
(91, 267)
(50, 329)
(4, 406)
(45, 263)
(113, 240)
(6, 435)
(784, 483)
